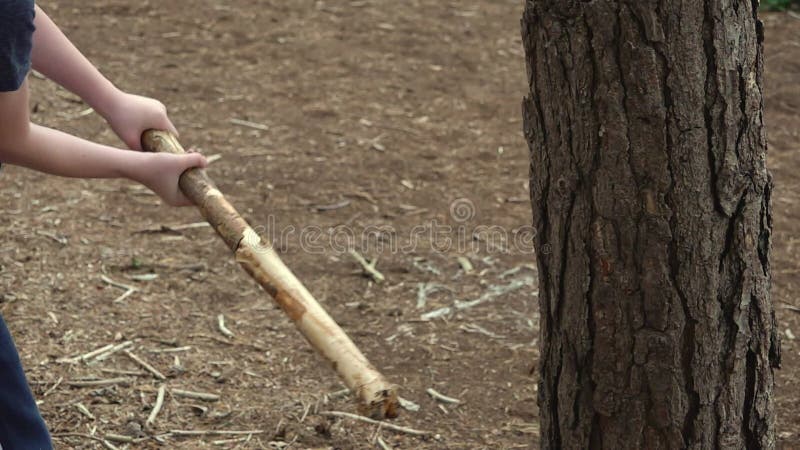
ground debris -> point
(368, 266)
(491, 293)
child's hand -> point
(160, 172)
(131, 115)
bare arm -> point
(55, 56)
(57, 153)
(54, 152)
(58, 59)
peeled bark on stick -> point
(377, 397)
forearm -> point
(54, 56)
(57, 153)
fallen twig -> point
(233, 441)
(425, 289)
(144, 277)
(441, 397)
(306, 409)
(105, 442)
(465, 264)
(128, 289)
(222, 328)
(369, 267)
(80, 435)
(791, 307)
(145, 365)
(195, 395)
(408, 405)
(53, 236)
(107, 354)
(170, 350)
(53, 387)
(84, 410)
(516, 270)
(473, 328)
(213, 432)
(332, 207)
(336, 394)
(157, 408)
(383, 445)
(109, 445)
(118, 438)
(134, 373)
(425, 265)
(99, 383)
(249, 124)
(489, 295)
(174, 228)
(116, 284)
(213, 338)
(85, 356)
(386, 425)
(125, 295)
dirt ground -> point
(393, 126)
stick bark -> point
(377, 397)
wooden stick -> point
(377, 397)
(222, 328)
(128, 289)
(145, 365)
(213, 432)
(233, 441)
(86, 356)
(53, 387)
(134, 373)
(107, 354)
(99, 383)
(116, 284)
(195, 395)
(369, 267)
(388, 426)
(466, 264)
(84, 410)
(441, 397)
(157, 408)
(171, 349)
(118, 438)
(80, 435)
(249, 124)
(382, 444)
(110, 446)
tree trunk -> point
(651, 201)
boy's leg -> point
(21, 425)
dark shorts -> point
(21, 425)
(16, 39)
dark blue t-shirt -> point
(16, 36)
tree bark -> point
(651, 201)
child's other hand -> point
(131, 115)
(160, 172)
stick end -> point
(379, 403)
(160, 141)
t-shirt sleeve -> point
(16, 40)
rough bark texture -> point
(651, 199)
